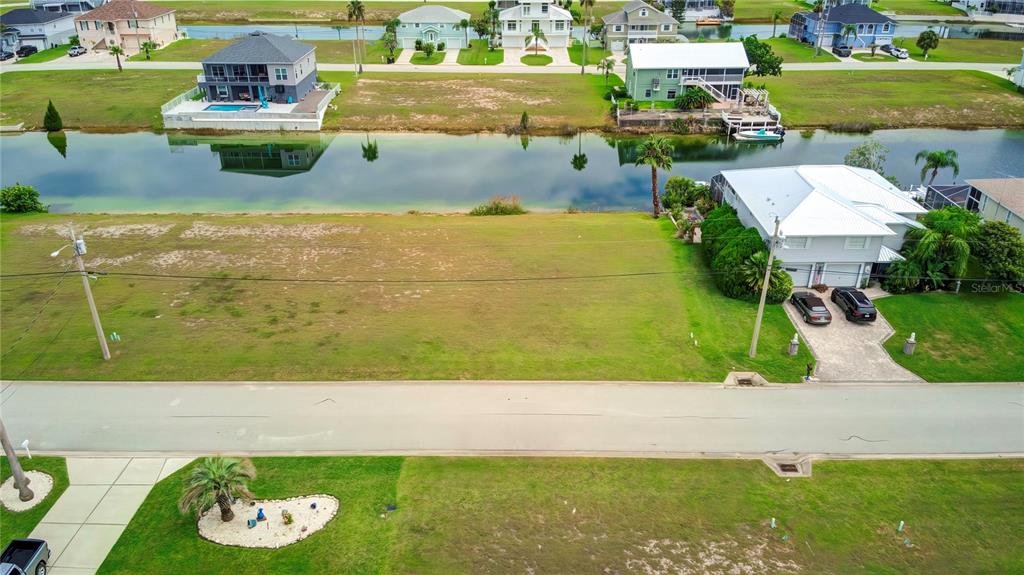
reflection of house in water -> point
(280, 158)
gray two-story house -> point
(638, 22)
(260, 67)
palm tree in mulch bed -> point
(217, 481)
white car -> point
(76, 51)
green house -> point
(663, 71)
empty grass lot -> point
(478, 54)
(19, 525)
(961, 337)
(584, 515)
(757, 11)
(465, 103)
(595, 53)
(327, 51)
(88, 99)
(916, 7)
(792, 51)
(970, 50)
(897, 99)
(634, 327)
(46, 55)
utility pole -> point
(78, 245)
(764, 289)
(20, 481)
(820, 26)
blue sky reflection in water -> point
(142, 172)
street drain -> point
(789, 468)
(744, 381)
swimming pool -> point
(231, 108)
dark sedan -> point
(26, 50)
(811, 308)
(5, 55)
(854, 304)
(842, 50)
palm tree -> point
(752, 271)
(357, 12)
(147, 46)
(606, 67)
(535, 36)
(588, 8)
(579, 159)
(392, 24)
(819, 6)
(370, 152)
(849, 30)
(217, 481)
(695, 97)
(338, 29)
(936, 160)
(945, 241)
(390, 43)
(117, 51)
(776, 16)
(464, 24)
(656, 152)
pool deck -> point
(183, 113)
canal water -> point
(139, 172)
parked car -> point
(26, 50)
(854, 304)
(811, 307)
(25, 557)
(76, 51)
(900, 53)
(887, 48)
(5, 55)
(842, 50)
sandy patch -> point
(124, 230)
(207, 230)
(40, 483)
(109, 262)
(724, 557)
(273, 532)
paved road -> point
(652, 419)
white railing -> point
(701, 82)
(332, 91)
(183, 97)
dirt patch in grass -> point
(726, 556)
(207, 230)
(114, 231)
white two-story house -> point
(519, 21)
(840, 224)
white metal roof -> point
(688, 55)
(433, 13)
(516, 13)
(887, 255)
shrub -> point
(682, 192)
(19, 199)
(718, 225)
(499, 206)
(52, 121)
(440, 46)
(1000, 250)
(419, 45)
(679, 126)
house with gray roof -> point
(39, 28)
(260, 67)
(869, 27)
(434, 24)
(638, 23)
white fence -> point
(183, 97)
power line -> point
(39, 312)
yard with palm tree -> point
(480, 54)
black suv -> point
(854, 304)
(26, 51)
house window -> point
(543, 8)
(856, 243)
(535, 25)
(222, 91)
(671, 94)
(797, 243)
(647, 93)
(417, 24)
(294, 160)
(526, 9)
(97, 25)
(281, 73)
(672, 74)
(511, 26)
(666, 27)
(885, 27)
(618, 27)
(405, 25)
(643, 12)
(84, 25)
(559, 25)
(860, 28)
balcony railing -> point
(232, 78)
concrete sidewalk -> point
(88, 518)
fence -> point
(183, 97)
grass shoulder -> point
(421, 58)
(480, 54)
(969, 50)
(595, 53)
(797, 52)
(536, 60)
(45, 55)
(917, 7)
(327, 51)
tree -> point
(682, 192)
(936, 160)
(429, 49)
(679, 10)
(217, 481)
(491, 17)
(338, 29)
(370, 152)
(59, 141)
(928, 40)
(524, 122)
(1000, 249)
(761, 56)
(944, 244)
(579, 159)
(848, 30)
(694, 97)
(751, 274)
(390, 43)
(535, 36)
(874, 47)
(392, 25)
(606, 67)
(117, 51)
(464, 25)
(819, 6)
(588, 10)
(52, 121)
(21, 482)
(656, 152)
(74, 40)
(19, 199)
(482, 28)
(727, 7)
(147, 46)
(869, 155)
(357, 12)
(776, 16)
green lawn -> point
(90, 99)
(878, 57)
(327, 51)
(896, 99)
(478, 54)
(595, 53)
(969, 50)
(620, 328)
(466, 103)
(46, 55)
(536, 60)
(965, 337)
(792, 51)
(916, 7)
(758, 11)
(19, 525)
(582, 515)
(422, 58)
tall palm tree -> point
(849, 30)
(217, 481)
(936, 160)
(392, 24)
(357, 12)
(535, 36)
(945, 241)
(464, 24)
(606, 67)
(588, 9)
(579, 159)
(338, 29)
(656, 152)
(776, 16)
(117, 51)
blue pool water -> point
(231, 108)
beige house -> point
(128, 24)
(638, 23)
(998, 199)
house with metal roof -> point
(664, 71)
(260, 67)
(128, 24)
(519, 22)
(39, 28)
(840, 224)
(869, 26)
(434, 24)
(637, 23)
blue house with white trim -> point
(871, 27)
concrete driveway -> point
(848, 351)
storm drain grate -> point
(789, 468)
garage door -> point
(841, 275)
(408, 43)
(617, 45)
(801, 274)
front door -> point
(431, 36)
(817, 274)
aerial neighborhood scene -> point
(512, 286)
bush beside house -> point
(729, 248)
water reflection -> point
(370, 150)
(280, 159)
